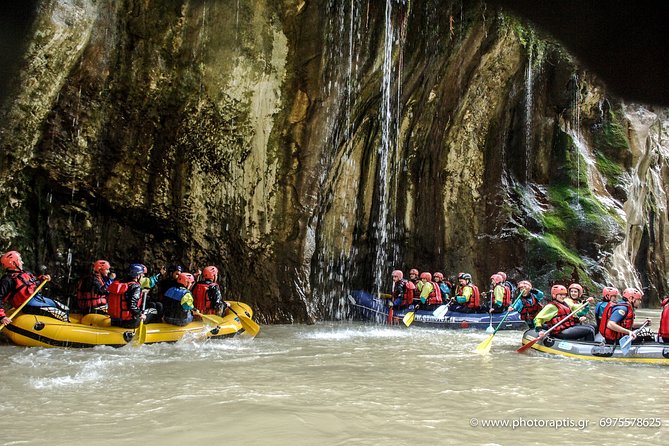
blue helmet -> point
(136, 269)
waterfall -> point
(576, 136)
(237, 22)
(381, 228)
(529, 99)
(335, 264)
(388, 150)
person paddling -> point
(501, 294)
(444, 286)
(207, 293)
(430, 293)
(575, 292)
(413, 278)
(17, 285)
(556, 310)
(178, 303)
(618, 319)
(529, 303)
(663, 331)
(403, 291)
(609, 294)
(467, 295)
(92, 289)
(125, 300)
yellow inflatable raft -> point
(95, 329)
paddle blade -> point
(140, 335)
(441, 311)
(249, 325)
(484, 347)
(408, 318)
(528, 345)
(625, 344)
(490, 329)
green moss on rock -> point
(611, 136)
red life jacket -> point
(530, 309)
(87, 298)
(611, 335)
(201, 300)
(563, 311)
(506, 301)
(475, 298)
(434, 298)
(24, 286)
(117, 304)
(409, 291)
(663, 330)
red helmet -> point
(609, 292)
(577, 287)
(558, 289)
(632, 294)
(186, 279)
(210, 272)
(438, 276)
(398, 273)
(525, 284)
(427, 276)
(413, 271)
(11, 259)
(497, 278)
(503, 274)
(101, 265)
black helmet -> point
(173, 268)
(465, 276)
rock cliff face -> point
(309, 147)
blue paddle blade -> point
(625, 343)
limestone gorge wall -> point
(309, 147)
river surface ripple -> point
(326, 384)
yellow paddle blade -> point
(484, 347)
(249, 325)
(140, 335)
(408, 318)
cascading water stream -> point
(576, 136)
(529, 100)
(388, 149)
(384, 152)
(335, 260)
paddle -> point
(408, 318)
(532, 342)
(26, 301)
(440, 311)
(484, 347)
(247, 323)
(626, 340)
(140, 333)
(351, 301)
(209, 318)
(490, 329)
